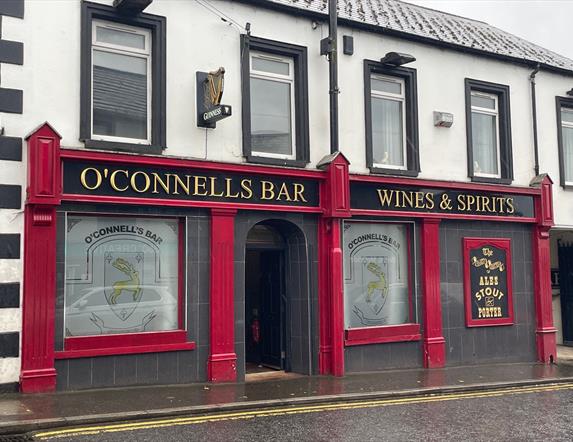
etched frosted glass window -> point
(376, 274)
(272, 106)
(121, 275)
(388, 122)
(121, 83)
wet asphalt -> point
(501, 416)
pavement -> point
(21, 413)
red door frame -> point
(44, 194)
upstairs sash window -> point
(488, 128)
(121, 83)
(388, 122)
(485, 134)
(272, 106)
(567, 144)
(274, 87)
(391, 117)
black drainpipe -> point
(333, 74)
(534, 108)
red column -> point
(545, 332)
(335, 201)
(222, 362)
(331, 299)
(337, 291)
(434, 342)
(324, 300)
(38, 312)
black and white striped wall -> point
(12, 181)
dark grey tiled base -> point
(479, 345)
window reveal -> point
(274, 102)
(391, 118)
(122, 275)
(488, 127)
(123, 80)
(376, 274)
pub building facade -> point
(173, 233)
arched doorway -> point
(277, 309)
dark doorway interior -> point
(565, 251)
(265, 302)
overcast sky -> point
(548, 23)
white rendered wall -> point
(199, 40)
(11, 220)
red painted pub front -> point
(146, 269)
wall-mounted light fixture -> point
(443, 119)
(397, 59)
(131, 7)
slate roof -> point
(430, 24)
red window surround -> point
(380, 335)
(389, 333)
(132, 343)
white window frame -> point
(393, 97)
(495, 113)
(289, 79)
(569, 125)
(122, 50)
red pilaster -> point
(337, 295)
(335, 201)
(434, 342)
(43, 195)
(222, 362)
(545, 332)
(324, 299)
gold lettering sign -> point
(416, 200)
(487, 272)
(142, 183)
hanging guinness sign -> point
(210, 87)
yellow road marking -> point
(242, 415)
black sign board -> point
(209, 87)
(487, 281)
(133, 181)
(214, 114)
(376, 196)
